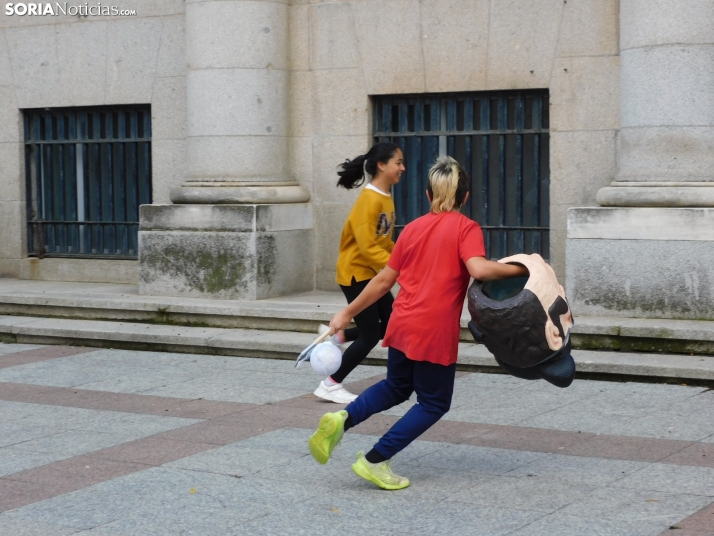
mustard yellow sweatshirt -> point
(366, 241)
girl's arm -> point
(485, 270)
(375, 289)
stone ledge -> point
(302, 313)
(287, 345)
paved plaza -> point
(114, 443)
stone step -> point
(287, 345)
(304, 312)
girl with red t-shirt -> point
(432, 261)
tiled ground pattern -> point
(110, 442)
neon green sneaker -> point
(379, 473)
(328, 435)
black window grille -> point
(88, 170)
(501, 139)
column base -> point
(641, 262)
(232, 252)
(663, 194)
(215, 193)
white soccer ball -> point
(326, 359)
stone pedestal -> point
(648, 251)
(641, 262)
(246, 252)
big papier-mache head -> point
(525, 322)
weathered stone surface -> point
(641, 278)
(328, 153)
(392, 61)
(10, 268)
(81, 270)
(659, 22)
(11, 220)
(665, 154)
(301, 161)
(230, 35)
(226, 264)
(333, 41)
(451, 43)
(652, 82)
(523, 36)
(11, 176)
(10, 117)
(168, 109)
(82, 75)
(234, 218)
(341, 102)
(245, 102)
(299, 37)
(589, 28)
(237, 158)
(690, 224)
(132, 51)
(35, 64)
(301, 102)
(172, 50)
(329, 220)
(585, 94)
(581, 162)
(168, 167)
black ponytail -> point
(352, 173)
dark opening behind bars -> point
(501, 139)
(88, 170)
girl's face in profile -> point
(392, 170)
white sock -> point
(330, 382)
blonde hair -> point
(444, 178)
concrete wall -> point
(85, 61)
(342, 52)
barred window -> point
(501, 139)
(88, 170)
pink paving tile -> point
(530, 439)
(698, 454)
(125, 402)
(626, 448)
(702, 521)
(78, 472)
(41, 354)
(456, 432)
(151, 451)
(14, 494)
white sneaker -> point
(335, 339)
(334, 393)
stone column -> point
(240, 227)
(666, 137)
(238, 71)
(649, 250)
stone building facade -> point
(255, 102)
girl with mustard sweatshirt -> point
(365, 246)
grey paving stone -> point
(14, 460)
(20, 433)
(236, 459)
(559, 524)
(478, 459)
(540, 494)
(27, 527)
(624, 505)
(342, 514)
(590, 471)
(71, 443)
(138, 382)
(671, 479)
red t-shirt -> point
(430, 257)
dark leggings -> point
(371, 326)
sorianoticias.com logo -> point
(63, 8)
